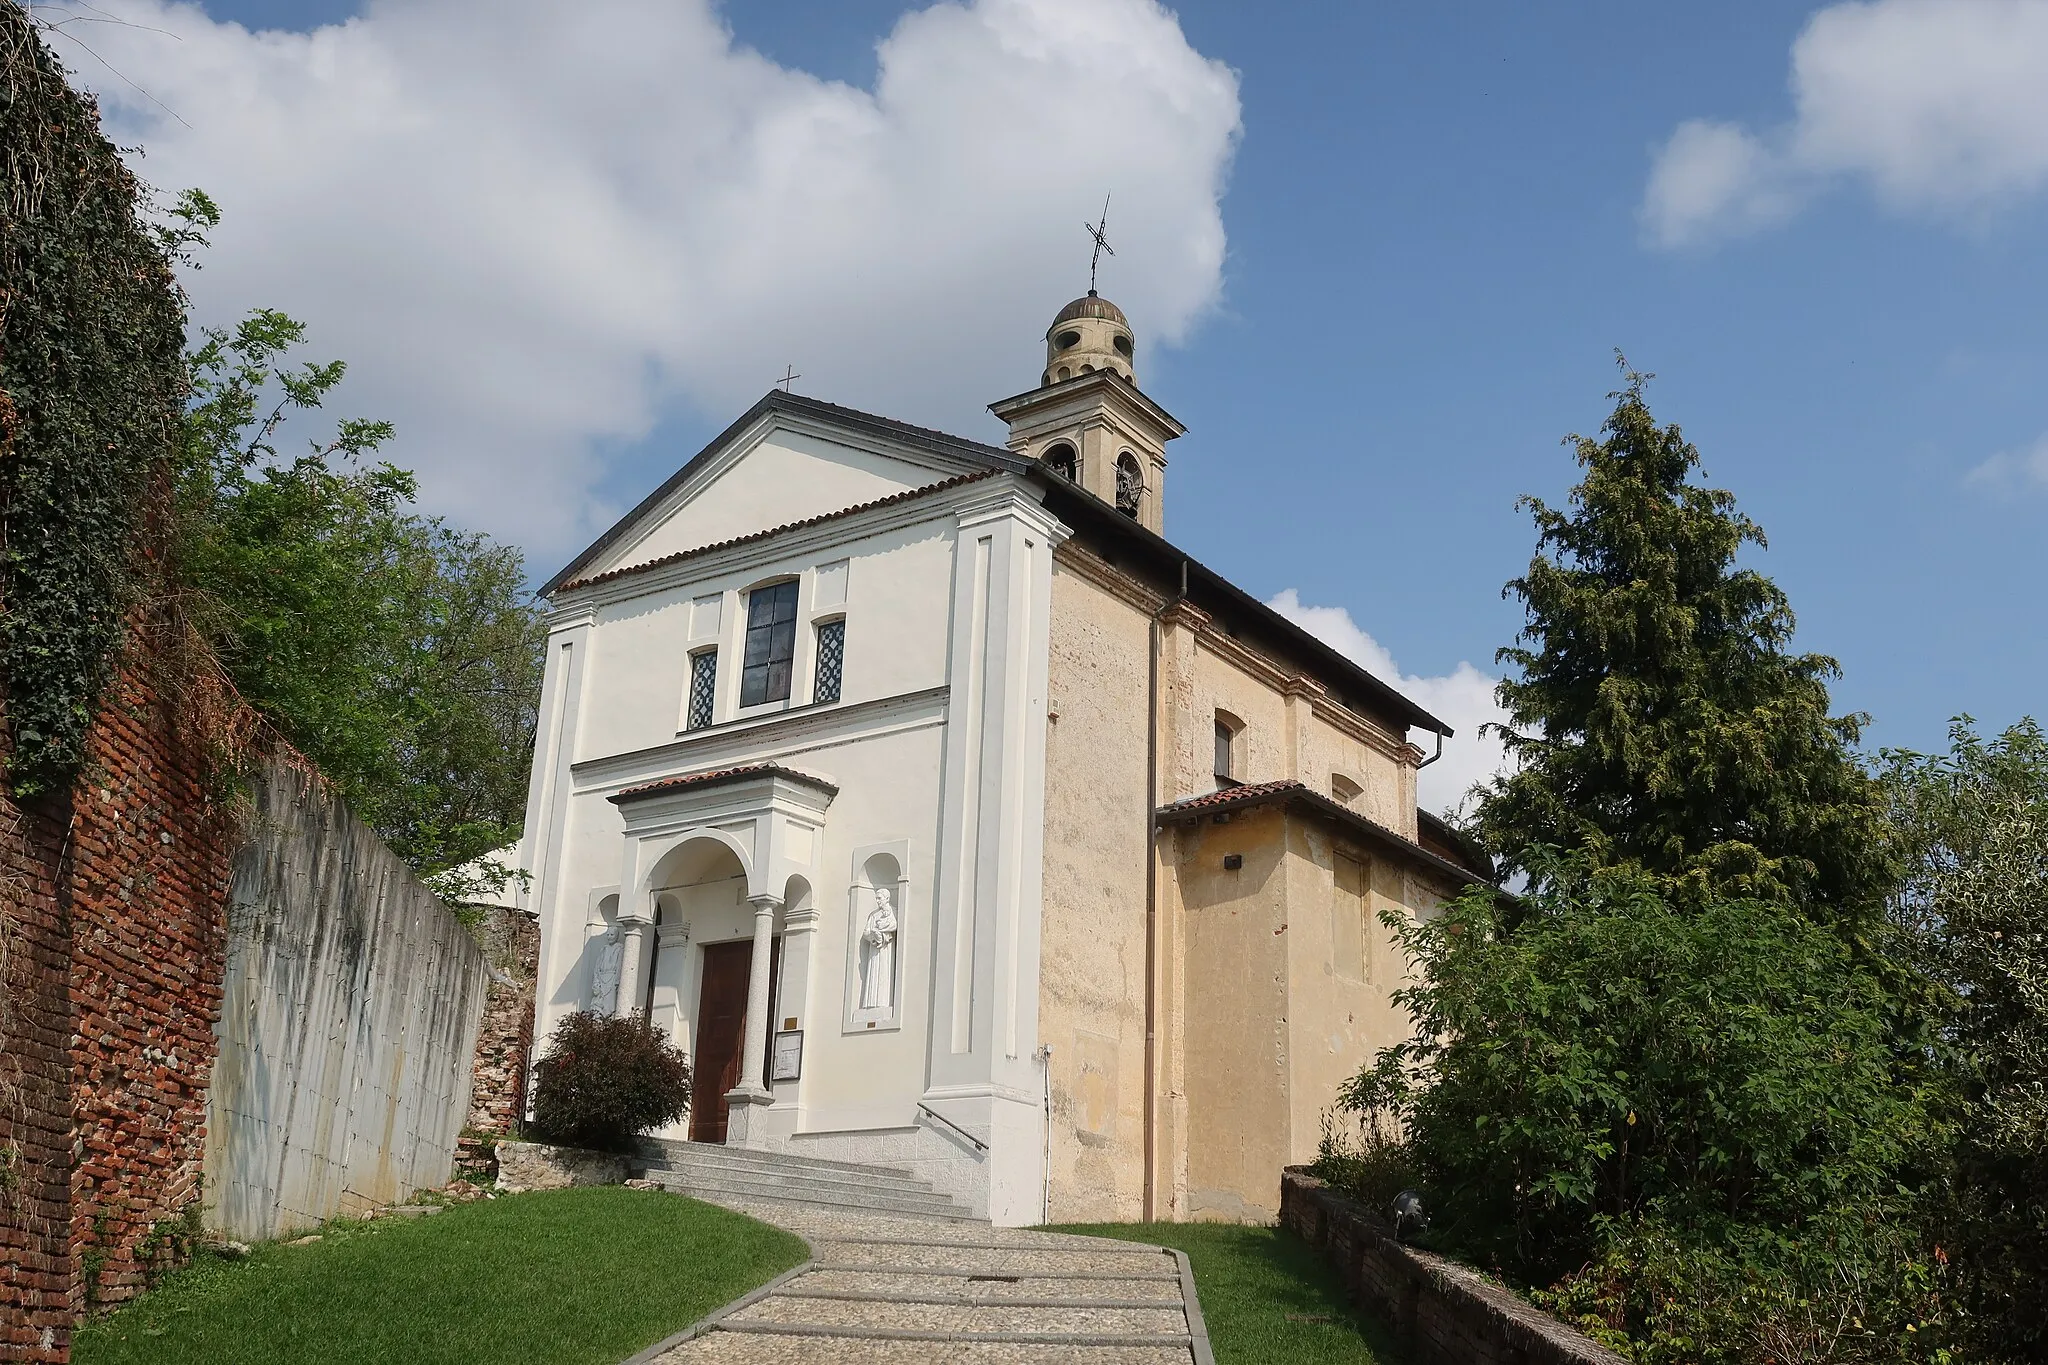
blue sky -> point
(1436, 236)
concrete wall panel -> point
(348, 1024)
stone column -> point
(632, 963)
(751, 1095)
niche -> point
(877, 924)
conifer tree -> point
(1659, 719)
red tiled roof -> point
(681, 555)
(1290, 791)
(718, 775)
(1250, 794)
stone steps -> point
(723, 1189)
(802, 1175)
(731, 1175)
(908, 1293)
(656, 1151)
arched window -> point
(1059, 459)
(1130, 484)
(1343, 790)
(1066, 373)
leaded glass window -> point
(1130, 484)
(771, 644)
(703, 688)
(831, 657)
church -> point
(950, 817)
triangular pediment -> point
(788, 460)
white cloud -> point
(531, 226)
(1939, 106)
(1462, 698)
(2013, 470)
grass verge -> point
(1265, 1296)
(561, 1277)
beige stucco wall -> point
(1258, 1022)
(1092, 949)
(1288, 986)
(1235, 929)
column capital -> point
(765, 903)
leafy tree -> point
(1687, 1119)
(1972, 829)
(1611, 1054)
(1659, 720)
(400, 655)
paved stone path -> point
(899, 1290)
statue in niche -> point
(604, 976)
(878, 954)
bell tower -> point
(1087, 420)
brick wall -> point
(1444, 1312)
(35, 1090)
(115, 893)
(497, 1096)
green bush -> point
(1691, 1125)
(605, 1081)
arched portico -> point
(751, 833)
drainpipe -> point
(1435, 756)
(1151, 1148)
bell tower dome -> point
(1087, 421)
(1091, 333)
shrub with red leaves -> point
(605, 1081)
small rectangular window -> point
(1223, 737)
(831, 658)
(771, 644)
(703, 688)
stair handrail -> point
(979, 1144)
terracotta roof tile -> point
(1298, 793)
(720, 775)
(1256, 791)
(681, 555)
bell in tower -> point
(1087, 421)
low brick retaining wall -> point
(1444, 1312)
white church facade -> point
(951, 818)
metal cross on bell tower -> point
(1098, 231)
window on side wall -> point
(1344, 791)
(771, 644)
(831, 660)
(1227, 728)
(703, 689)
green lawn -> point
(564, 1277)
(1265, 1296)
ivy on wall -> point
(91, 389)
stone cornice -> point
(759, 738)
(807, 538)
(1075, 557)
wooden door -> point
(721, 1024)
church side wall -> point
(1242, 974)
(1092, 972)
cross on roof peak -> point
(1098, 231)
